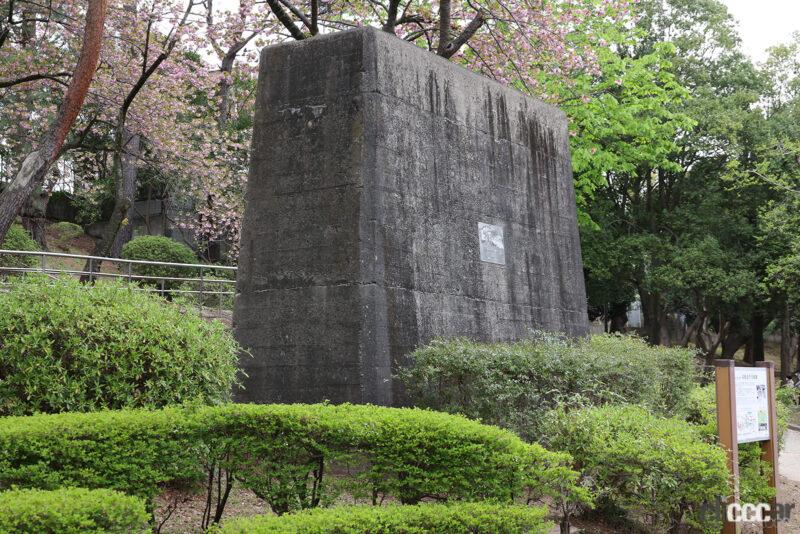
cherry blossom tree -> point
(36, 164)
(174, 91)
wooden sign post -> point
(746, 413)
(769, 448)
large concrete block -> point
(376, 167)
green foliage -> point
(284, 453)
(163, 249)
(468, 518)
(17, 238)
(71, 511)
(631, 119)
(66, 232)
(513, 385)
(656, 469)
(65, 348)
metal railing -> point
(203, 284)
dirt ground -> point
(189, 514)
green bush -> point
(69, 511)
(65, 232)
(656, 469)
(514, 385)
(159, 248)
(470, 518)
(291, 456)
(17, 238)
(64, 347)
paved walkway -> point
(789, 457)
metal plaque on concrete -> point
(493, 249)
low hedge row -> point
(285, 454)
(653, 470)
(513, 385)
(468, 518)
(71, 511)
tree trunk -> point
(797, 352)
(698, 321)
(786, 341)
(126, 193)
(618, 317)
(651, 314)
(732, 343)
(33, 215)
(36, 164)
(756, 343)
(122, 202)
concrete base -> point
(373, 165)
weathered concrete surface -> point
(373, 162)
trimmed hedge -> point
(513, 385)
(17, 238)
(159, 248)
(283, 453)
(63, 348)
(68, 511)
(658, 470)
(470, 518)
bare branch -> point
(33, 77)
(444, 26)
(391, 16)
(284, 18)
(453, 46)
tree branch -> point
(284, 18)
(33, 77)
(444, 26)
(453, 46)
(391, 16)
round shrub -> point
(291, 456)
(159, 248)
(462, 518)
(71, 511)
(17, 238)
(658, 470)
(68, 347)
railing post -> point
(130, 274)
(91, 270)
(43, 264)
(202, 293)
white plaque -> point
(752, 404)
(493, 249)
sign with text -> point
(493, 249)
(752, 404)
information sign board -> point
(752, 404)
